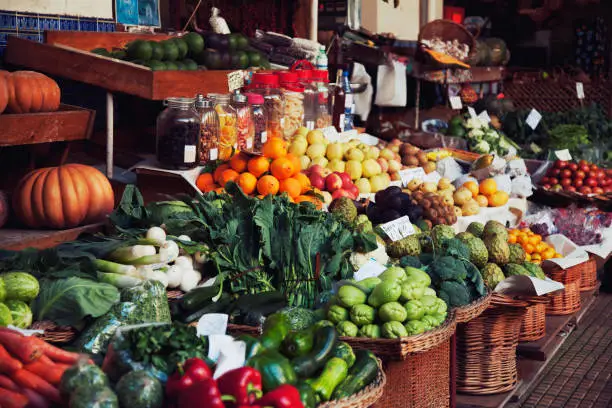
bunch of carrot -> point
(30, 370)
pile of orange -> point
(486, 193)
(275, 172)
(535, 249)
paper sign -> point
(527, 286)
(235, 80)
(370, 270)
(212, 323)
(432, 177)
(533, 119)
(484, 116)
(563, 154)
(231, 357)
(398, 229)
(579, 90)
(455, 102)
(472, 113)
(408, 175)
(217, 343)
(330, 133)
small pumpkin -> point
(28, 92)
(63, 197)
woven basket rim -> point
(499, 299)
(364, 398)
(52, 333)
(468, 312)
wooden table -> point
(18, 239)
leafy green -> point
(68, 301)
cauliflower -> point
(475, 123)
(476, 134)
(491, 134)
(358, 259)
(481, 147)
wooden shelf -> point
(111, 74)
(478, 74)
(18, 239)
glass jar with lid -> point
(228, 142)
(178, 134)
(268, 85)
(305, 79)
(293, 101)
(320, 78)
(259, 121)
(209, 130)
(243, 121)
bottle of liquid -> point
(349, 105)
(337, 103)
(321, 61)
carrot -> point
(56, 354)
(8, 364)
(26, 379)
(48, 372)
(35, 400)
(12, 399)
(7, 383)
(19, 346)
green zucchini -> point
(361, 374)
(220, 305)
(334, 372)
(325, 339)
(199, 297)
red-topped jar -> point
(259, 121)
(320, 79)
(305, 79)
(268, 85)
(293, 99)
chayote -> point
(439, 318)
(337, 314)
(411, 292)
(430, 321)
(347, 329)
(415, 327)
(393, 274)
(429, 292)
(362, 315)
(385, 292)
(392, 312)
(350, 296)
(368, 284)
(430, 304)
(417, 276)
(441, 307)
(370, 330)
(393, 330)
(414, 310)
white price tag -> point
(189, 154)
(214, 154)
(330, 133)
(398, 229)
(455, 102)
(472, 113)
(211, 324)
(579, 90)
(370, 270)
(484, 116)
(408, 175)
(249, 143)
(264, 137)
(235, 80)
(310, 125)
(563, 155)
(533, 119)
(432, 177)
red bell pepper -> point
(192, 371)
(203, 394)
(285, 396)
(243, 383)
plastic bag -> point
(95, 338)
(449, 168)
(581, 226)
(464, 179)
(516, 168)
(152, 301)
(218, 23)
(503, 183)
(522, 187)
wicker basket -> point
(566, 302)
(238, 329)
(486, 348)
(53, 333)
(468, 312)
(588, 275)
(402, 348)
(364, 398)
(448, 30)
(174, 295)
(533, 325)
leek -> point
(127, 255)
(113, 267)
(118, 280)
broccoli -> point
(474, 280)
(426, 259)
(410, 261)
(447, 268)
(454, 293)
(456, 248)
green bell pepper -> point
(275, 328)
(275, 369)
(253, 346)
(307, 395)
(298, 343)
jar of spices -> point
(178, 134)
(310, 97)
(259, 121)
(268, 86)
(243, 121)
(293, 98)
(320, 79)
(209, 130)
(228, 141)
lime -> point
(140, 50)
(171, 51)
(157, 50)
(254, 59)
(232, 42)
(156, 65)
(180, 66)
(243, 59)
(195, 43)
(242, 43)
(171, 66)
(182, 47)
(190, 65)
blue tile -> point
(49, 23)
(4, 36)
(106, 26)
(86, 24)
(8, 21)
(27, 22)
(69, 24)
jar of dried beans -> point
(243, 122)
(178, 134)
(259, 121)
(209, 130)
(228, 141)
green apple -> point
(334, 151)
(354, 154)
(336, 165)
(387, 154)
(315, 136)
(363, 184)
(316, 150)
(372, 153)
(298, 146)
(371, 168)
(378, 183)
(304, 162)
(354, 169)
(321, 161)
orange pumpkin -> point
(28, 92)
(63, 197)
(4, 91)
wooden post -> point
(110, 126)
(314, 20)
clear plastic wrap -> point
(582, 226)
(449, 168)
(151, 299)
(522, 187)
(96, 337)
(503, 183)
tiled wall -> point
(31, 26)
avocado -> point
(182, 48)
(157, 51)
(171, 51)
(195, 43)
(140, 50)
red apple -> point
(600, 174)
(570, 189)
(585, 168)
(555, 172)
(583, 163)
(553, 180)
(566, 173)
(341, 193)
(560, 164)
(346, 179)
(579, 175)
(578, 183)
(607, 181)
(546, 186)
(591, 182)
(315, 169)
(598, 190)
(353, 190)
(573, 166)
(317, 181)
(594, 167)
(566, 182)
(608, 189)
(584, 190)
(333, 182)
(545, 180)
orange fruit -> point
(529, 248)
(258, 165)
(274, 148)
(558, 255)
(247, 182)
(548, 254)
(227, 176)
(482, 201)
(540, 247)
(473, 187)
(498, 198)
(267, 185)
(291, 186)
(523, 240)
(487, 187)
(297, 166)
(536, 257)
(218, 171)
(282, 168)
(210, 187)
(219, 190)
(527, 257)
(304, 181)
(512, 239)
(310, 199)
(535, 239)
(239, 162)
(204, 180)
